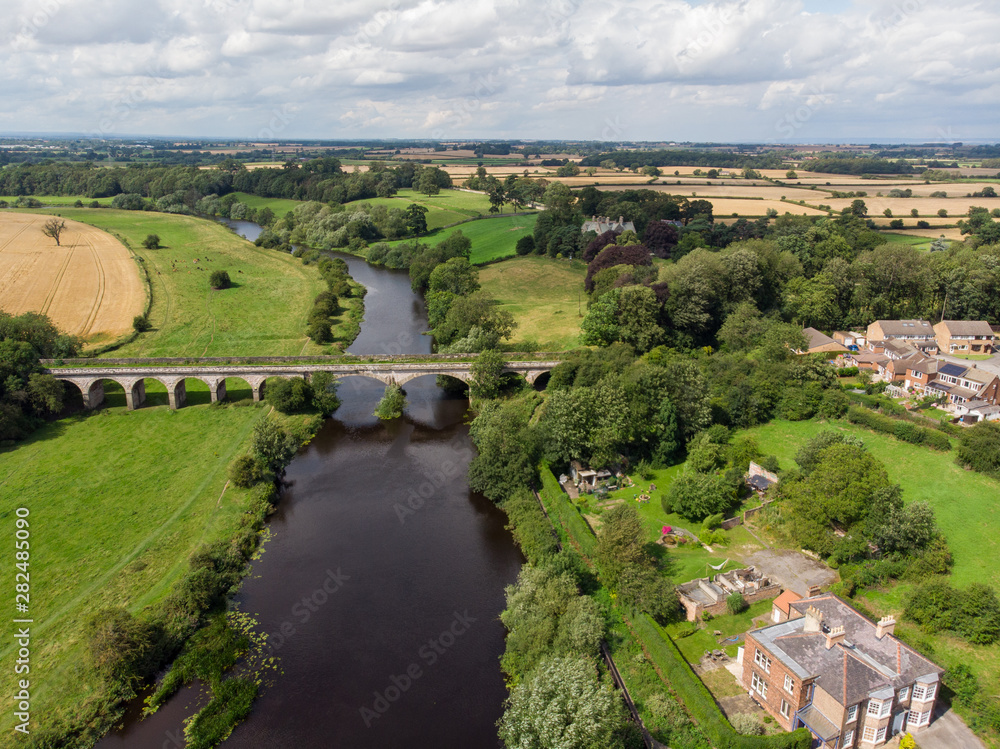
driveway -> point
(947, 731)
(794, 570)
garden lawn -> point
(693, 646)
(965, 503)
(118, 501)
(545, 296)
(263, 314)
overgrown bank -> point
(138, 570)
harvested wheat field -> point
(89, 285)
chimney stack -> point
(814, 619)
(834, 636)
(886, 626)
(814, 590)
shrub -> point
(140, 323)
(246, 471)
(747, 724)
(979, 449)
(644, 470)
(289, 395)
(392, 404)
(151, 242)
(320, 331)
(219, 280)
(525, 245)
(736, 604)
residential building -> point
(818, 342)
(847, 679)
(601, 224)
(964, 337)
(780, 606)
(904, 330)
(850, 338)
(962, 384)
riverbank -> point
(106, 533)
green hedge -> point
(565, 514)
(531, 529)
(695, 695)
(902, 430)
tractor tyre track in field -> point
(18, 233)
(102, 284)
(57, 281)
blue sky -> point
(741, 70)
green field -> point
(263, 314)
(964, 502)
(545, 296)
(67, 200)
(280, 206)
(446, 208)
(118, 501)
(920, 243)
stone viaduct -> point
(90, 379)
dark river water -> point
(382, 581)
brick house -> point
(964, 337)
(961, 385)
(901, 330)
(818, 342)
(781, 606)
(850, 681)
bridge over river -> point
(132, 377)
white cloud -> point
(654, 69)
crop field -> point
(733, 189)
(722, 207)
(927, 207)
(544, 295)
(264, 313)
(89, 285)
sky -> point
(829, 71)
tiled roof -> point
(787, 597)
(968, 327)
(903, 328)
(853, 669)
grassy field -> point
(280, 206)
(544, 295)
(965, 503)
(492, 238)
(67, 200)
(447, 207)
(118, 501)
(264, 313)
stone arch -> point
(91, 389)
(135, 389)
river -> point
(383, 578)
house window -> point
(880, 736)
(869, 734)
(785, 708)
(923, 692)
(904, 694)
(759, 685)
(849, 738)
(852, 713)
(918, 719)
(879, 708)
(789, 684)
(762, 660)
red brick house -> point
(850, 681)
